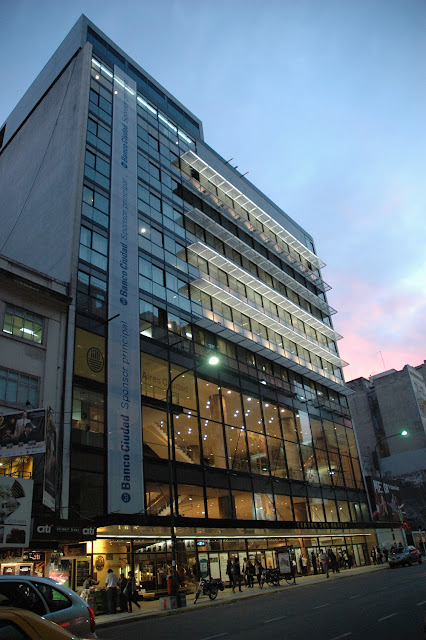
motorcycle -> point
(209, 588)
(271, 577)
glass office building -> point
(172, 255)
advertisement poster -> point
(16, 496)
(50, 464)
(125, 455)
(23, 433)
(386, 502)
(284, 562)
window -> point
(95, 206)
(18, 387)
(93, 248)
(98, 136)
(97, 169)
(56, 600)
(88, 415)
(91, 294)
(24, 324)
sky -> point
(321, 101)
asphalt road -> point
(385, 605)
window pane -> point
(237, 449)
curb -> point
(122, 618)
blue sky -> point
(321, 101)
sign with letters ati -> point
(125, 473)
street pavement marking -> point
(357, 596)
(216, 636)
(420, 603)
(321, 606)
(273, 619)
(386, 617)
(344, 635)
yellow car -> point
(19, 623)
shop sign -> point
(16, 496)
(23, 433)
(33, 556)
(62, 531)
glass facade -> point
(264, 438)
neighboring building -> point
(33, 329)
(382, 408)
(170, 254)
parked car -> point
(49, 599)
(18, 623)
(407, 556)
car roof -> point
(44, 628)
(46, 581)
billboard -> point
(50, 464)
(23, 433)
(386, 502)
(16, 497)
(125, 475)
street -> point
(387, 604)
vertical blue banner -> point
(125, 470)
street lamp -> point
(212, 361)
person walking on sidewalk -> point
(314, 562)
(132, 593)
(236, 575)
(258, 571)
(323, 558)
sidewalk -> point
(151, 608)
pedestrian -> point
(304, 561)
(333, 561)
(244, 571)
(400, 547)
(379, 556)
(250, 574)
(386, 554)
(314, 562)
(346, 559)
(229, 571)
(132, 592)
(236, 575)
(111, 584)
(89, 582)
(122, 584)
(323, 557)
(258, 571)
(373, 556)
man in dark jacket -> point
(236, 575)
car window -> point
(21, 595)
(56, 600)
(10, 631)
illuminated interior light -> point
(111, 75)
(169, 124)
(188, 334)
(7, 331)
(184, 137)
(97, 76)
(266, 404)
(116, 92)
(25, 330)
(146, 105)
(129, 91)
(95, 62)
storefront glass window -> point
(300, 509)
(283, 508)
(316, 509)
(288, 424)
(219, 504)
(272, 423)
(323, 466)
(191, 501)
(258, 453)
(276, 457)
(154, 377)
(237, 449)
(243, 505)
(209, 400)
(330, 511)
(253, 414)
(309, 464)
(157, 499)
(213, 444)
(317, 433)
(186, 439)
(264, 506)
(154, 429)
(232, 409)
(344, 512)
(183, 388)
(295, 469)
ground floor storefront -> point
(202, 552)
